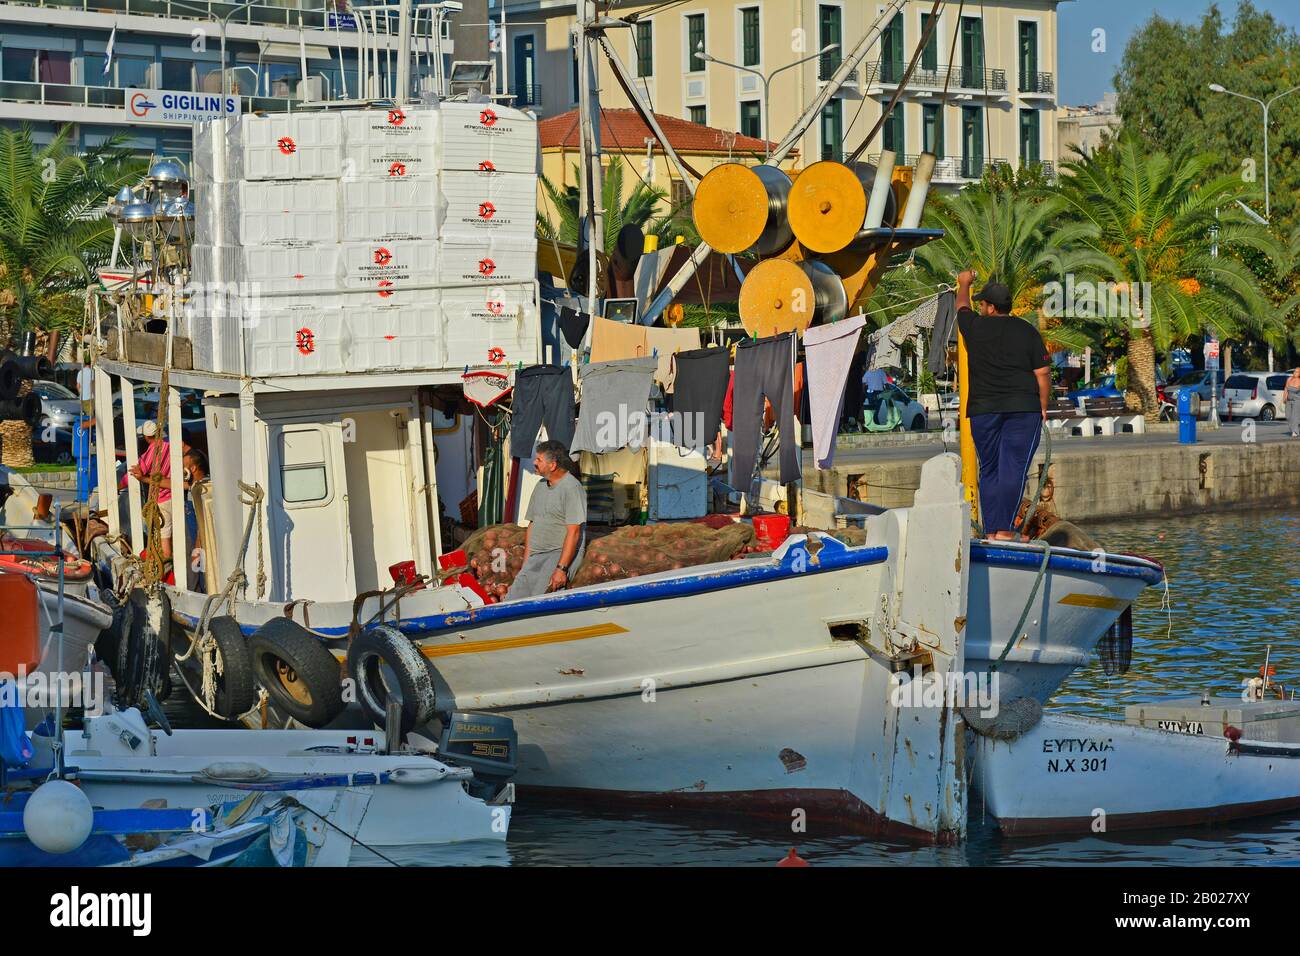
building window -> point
(749, 52)
(932, 129)
(177, 75)
(573, 48)
(645, 48)
(19, 65)
(1028, 56)
(695, 41)
(930, 55)
(891, 51)
(972, 53)
(679, 194)
(1029, 138)
(751, 119)
(208, 78)
(972, 142)
(133, 72)
(699, 114)
(892, 134)
(833, 130)
(829, 30)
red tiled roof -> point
(624, 130)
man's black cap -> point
(997, 295)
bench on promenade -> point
(1094, 416)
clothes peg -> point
(654, 353)
(466, 369)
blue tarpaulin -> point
(15, 748)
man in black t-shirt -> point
(1010, 381)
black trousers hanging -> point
(699, 392)
(543, 396)
(764, 369)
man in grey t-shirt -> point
(556, 514)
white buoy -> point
(58, 817)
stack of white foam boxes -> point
(336, 229)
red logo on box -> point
(486, 267)
(496, 356)
(396, 117)
(383, 256)
(487, 166)
(486, 210)
(306, 341)
(397, 169)
(487, 118)
(385, 289)
(494, 306)
(287, 145)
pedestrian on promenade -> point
(1293, 402)
(1010, 381)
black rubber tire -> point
(286, 655)
(144, 652)
(236, 686)
(383, 659)
(1267, 414)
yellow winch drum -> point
(741, 208)
(828, 206)
(783, 296)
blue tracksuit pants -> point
(1005, 443)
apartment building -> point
(1085, 128)
(1001, 74)
(279, 55)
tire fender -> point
(298, 671)
(382, 654)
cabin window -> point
(303, 475)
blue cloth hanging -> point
(15, 747)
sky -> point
(1086, 75)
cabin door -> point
(308, 513)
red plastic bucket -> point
(772, 530)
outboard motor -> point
(484, 743)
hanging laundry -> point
(611, 341)
(573, 325)
(543, 396)
(701, 389)
(664, 343)
(764, 369)
(615, 396)
(829, 351)
(943, 334)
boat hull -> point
(1077, 775)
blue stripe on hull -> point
(1015, 558)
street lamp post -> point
(1266, 106)
(221, 25)
(766, 81)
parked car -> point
(1198, 381)
(1259, 395)
(1103, 388)
(912, 415)
(59, 406)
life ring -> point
(299, 673)
(236, 686)
(40, 560)
(383, 662)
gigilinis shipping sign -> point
(165, 106)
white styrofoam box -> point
(404, 331)
(389, 263)
(390, 160)
(497, 325)
(287, 146)
(400, 127)
(211, 163)
(486, 136)
(273, 270)
(299, 339)
(484, 205)
(385, 209)
(282, 212)
(488, 260)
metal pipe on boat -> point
(920, 188)
(881, 190)
(742, 209)
(401, 94)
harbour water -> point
(1234, 587)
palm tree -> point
(637, 207)
(52, 235)
(1150, 220)
(1015, 236)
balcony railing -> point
(950, 169)
(315, 16)
(827, 66)
(529, 95)
(108, 97)
(1037, 83)
(964, 78)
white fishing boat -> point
(1079, 775)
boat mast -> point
(589, 139)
